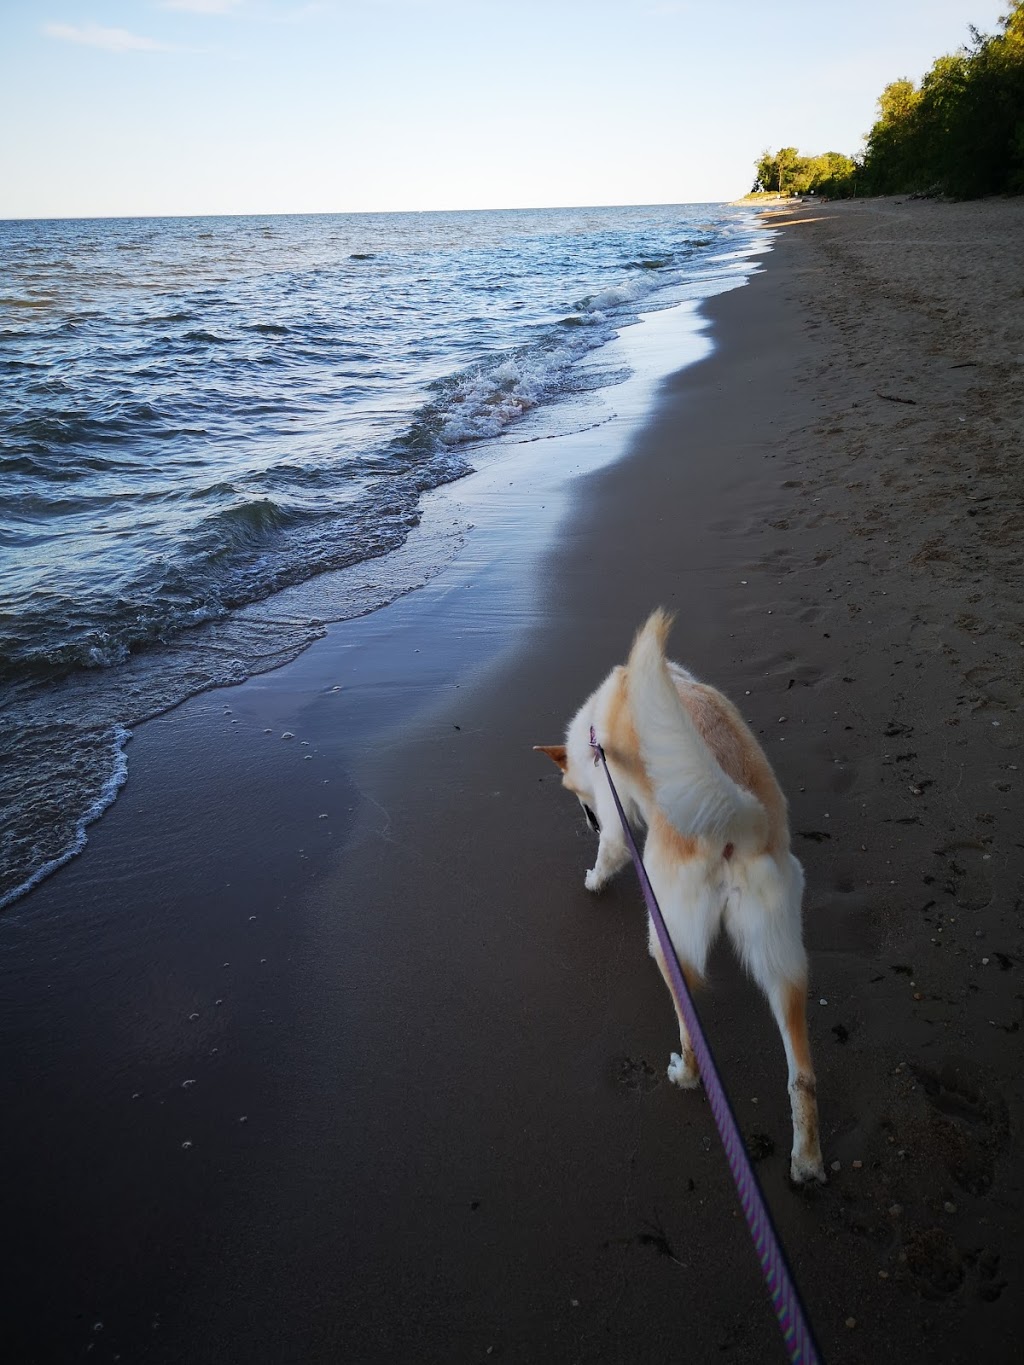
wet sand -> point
(322, 1051)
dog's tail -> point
(699, 799)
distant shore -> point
(321, 1051)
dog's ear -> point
(556, 752)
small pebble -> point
(822, 1002)
(287, 735)
(949, 1206)
(858, 1165)
(185, 1084)
(895, 1210)
(186, 1145)
(851, 1323)
(883, 1274)
(836, 1166)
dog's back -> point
(707, 773)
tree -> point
(777, 170)
(786, 171)
(962, 132)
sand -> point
(322, 1051)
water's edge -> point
(265, 636)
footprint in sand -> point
(966, 877)
(971, 1122)
(634, 1073)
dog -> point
(717, 848)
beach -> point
(321, 1050)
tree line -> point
(959, 133)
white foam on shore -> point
(107, 795)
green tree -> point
(786, 171)
(776, 171)
(962, 132)
(892, 144)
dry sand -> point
(419, 1069)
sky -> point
(153, 107)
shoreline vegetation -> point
(959, 134)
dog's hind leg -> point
(691, 900)
(764, 924)
(789, 1005)
(682, 1065)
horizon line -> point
(338, 213)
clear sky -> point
(277, 106)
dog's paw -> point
(806, 1168)
(683, 1073)
(593, 881)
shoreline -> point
(458, 1138)
(66, 736)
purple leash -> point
(796, 1330)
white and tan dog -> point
(717, 849)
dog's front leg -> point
(612, 854)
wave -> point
(244, 526)
(48, 433)
(109, 763)
(160, 319)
